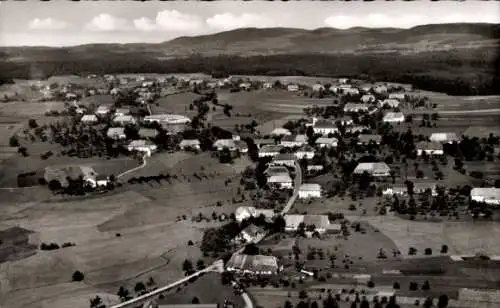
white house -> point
(116, 133)
(102, 110)
(167, 119)
(245, 86)
(101, 180)
(429, 148)
(343, 80)
(444, 137)
(89, 119)
(291, 141)
(280, 132)
(323, 142)
(319, 223)
(190, 144)
(367, 98)
(270, 150)
(353, 91)
(345, 121)
(225, 143)
(395, 191)
(245, 212)
(284, 159)
(262, 142)
(324, 127)
(374, 169)
(313, 168)
(488, 195)
(142, 146)
(380, 89)
(318, 87)
(267, 85)
(306, 151)
(399, 96)
(309, 190)
(356, 129)
(124, 120)
(253, 264)
(394, 117)
(292, 87)
(280, 181)
(354, 107)
(390, 102)
(252, 234)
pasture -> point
(175, 103)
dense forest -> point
(460, 72)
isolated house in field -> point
(367, 99)
(364, 139)
(429, 148)
(398, 96)
(354, 107)
(124, 120)
(394, 117)
(444, 137)
(305, 151)
(116, 133)
(325, 142)
(390, 103)
(270, 150)
(488, 195)
(291, 141)
(284, 159)
(280, 131)
(292, 88)
(262, 142)
(245, 86)
(309, 190)
(89, 119)
(142, 145)
(281, 181)
(313, 168)
(61, 174)
(373, 169)
(324, 127)
(251, 234)
(103, 110)
(253, 264)
(220, 144)
(190, 144)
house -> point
(274, 170)
(148, 133)
(367, 98)
(398, 96)
(124, 120)
(390, 102)
(190, 144)
(380, 89)
(355, 107)
(324, 127)
(284, 159)
(251, 234)
(323, 142)
(291, 141)
(364, 139)
(310, 121)
(374, 169)
(394, 117)
(314, 168)
(245, 86)
(62, 174)
(444, 137)
(89, 119)
(142, 145)
(116, 133)
(281, 132)
(346, 90)
(220, 144)
(267, 85)
(261, 142)
(270, 150)
(396, 190)
(345, 121)
(319, 223)
(318, 87)
(309, 190)
(488, 195)
(253, 264)
(305, 151)
(245, 212)
(343, 80)
(122, 112)
(281, 181)
(424, 187)
(101, 180)
(167, 119)
(292, 87)
(357, 129)
(429, 148)
(80, 110)
(103, 110)
(241, 145)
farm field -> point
(175, 103)
(26, 109)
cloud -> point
(47, 24)
(341, 22)
(106, 22)
(170, 20)
(228, 21)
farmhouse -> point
(374, 169)
(284, 159)
(488, 195)
(147, 133)
(241, 145)
(291, 141)
(62, 174)
(396, 190)
(367, 98)
(343, 80)
(142, 146)
(190, 144)
(309, 191)
(425, 187)
(116, 133)
(166, 119)
(444, 137)
(429, 148)
(281, 181)
(369, 138)
(245, 212)
(306, 151)
(89, 119)
(270, 150)
(124, 120)
(324, 127)
(245, 86)
(292, 87)
(253, 264)
(323, 142)
(280, 132)
(318, 87)
(380, 89)
(261, 142)
(318, 223)
(390, 103)
(354, 107)
(394, 117)
(103, 110)
(220, 144)
(398, 96)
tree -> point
(426, 286)
(123, 294)
(428, 251)
(187, 266)
(314, 304)
(413, 286)
(396, 285)
(96, 302)
(364, 303)
(13, 141)
(354, 304)
(140, 288)
(444, 248)
(77, 276)
(151, 283)
(225, 156)
(54, 185)
(330, 302)
(302, 294)
(370, 284)
(428, 302)
(195, 300)
(32, 123)
(443, 301)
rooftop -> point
(372, 167)
(366, 138)
(280, 178)
(271, 148)
(310, 187)
(284, 156)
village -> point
(329, 184)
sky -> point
(66, 23)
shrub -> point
(370, 284)
(396, 285)
(426, 286)
(78, 276)
(444, 249)
(412, 251)
(428, 251)
(413, 286)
